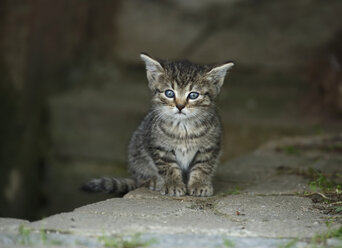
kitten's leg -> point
(173, 182)
(201, 172)
(156, 183)
(169, 172)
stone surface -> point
(273, 216)
(259, 202)
(9, 223)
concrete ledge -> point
(257, 203)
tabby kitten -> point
(176, 148)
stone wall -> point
(252, 33)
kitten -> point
(176, 148)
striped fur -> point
(175, 151)
(110, 185)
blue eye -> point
(169, 93)
(193, 95)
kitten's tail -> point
(110, 185)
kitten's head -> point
(181, 89)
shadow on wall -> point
(325, 77)
(40, 50)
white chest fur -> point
(184, 158)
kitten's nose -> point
(180, 107)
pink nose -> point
(180, 107)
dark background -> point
(72, 86)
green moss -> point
(291, 150)
(331, 233)
(318, 240)
(321, 182)
(290, 244)
(120, 242)
(43, 236)
(24, 235)
(228, 243)
(338, 209)
(236, 191)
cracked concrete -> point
(256, 205)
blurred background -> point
(73, 89)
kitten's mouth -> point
(180, 113)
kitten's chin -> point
(184, 115)
(180, 116)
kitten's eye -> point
(193, 95)
(169, 93)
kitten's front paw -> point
(200, 189)
(173, 189)
(155, 183)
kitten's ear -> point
(153, 69)
(218, 73)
